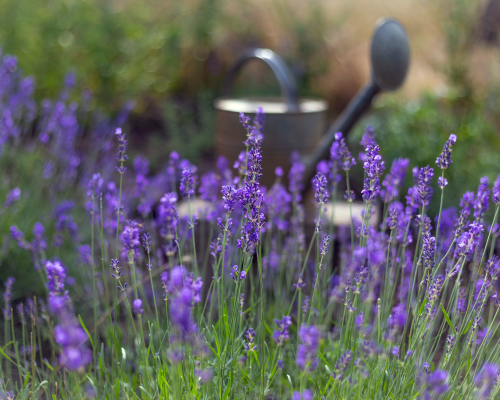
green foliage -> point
(418, 129)
(23, 169)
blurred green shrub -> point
(134, 49)
(418, 129)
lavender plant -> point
(232, 299)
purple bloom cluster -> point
(307, 350)
(496, 191)
(347, 161)
(281, 335)
(320, 192)
(250, 338)
(185, 293)
(469, 240)
(373, 167)
(187, 183)
(36, 247)
(424, 189)
(130, 240)
(12, 197)
(435, 384)
(122, 148)
(486, 380)
(482, 196)
(341, 365)
(444, 159)
(305, 395)
(7, 298)
(394, 179)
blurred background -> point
(165, 61)
(170, 57)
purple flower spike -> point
(137, 307)
(281, 335)
(13, 197)
(486, 380)
(122, 148)
(373, 167)
(306, 354)
(319, 185)
(442, 182)
(305, 395)
(424, 188)
(250, 337)
(347, 161)
(481, 202)
(7, 298)
(444, 159)
(496, 191)
(436, 384)
(130, 239)
(341, 365)
(187, 183)
(394, 179)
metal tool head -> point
(389, 54)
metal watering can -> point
(298, 124)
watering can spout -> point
(389, 58)
(297, 124)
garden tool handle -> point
(285, 78)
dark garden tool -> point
(297, 124)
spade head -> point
(389, 55)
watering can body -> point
(294, 124)
(285, 131)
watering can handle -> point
(278, 66)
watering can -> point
(298, 124)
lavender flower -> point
(325, 246)
(319, 186)
(306, 354)
(250, 337)
(305, 395)
(204, 375)
(281, 335)
(295, 177)
(58, 296)
(341, 365)
(229, 198)
(444, 159)
(95, 186)
(469, 240)
(235, 274)
(122, 148)
(442, 182)
(117, 270)
(347, 161)
(428, 251)
(13, 197)
(481, 202)
(187, 183)
(185, 293)
(167, 216)
(137, 307)
(71, 337)
(496, 191)
(7, 298)
(486, 380)
(130, 239)
(436, 384)
(424, 188)
(394, 179)
(373, 167)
